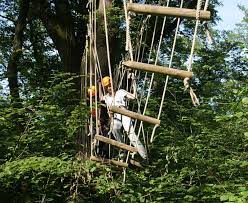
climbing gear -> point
(129, 74)
(92, 91)
(106, 81)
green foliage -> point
(54, 179)
(198, 155)
(50, 118)
(240, 33)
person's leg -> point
(116, 130)
(118, 135)
(128, 127)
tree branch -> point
(60, 26)
(10, 19)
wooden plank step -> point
(167, 11)
(109, 161)
(134, 115)
(158, 69)
(116, 143)
(135, 163)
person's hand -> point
(131, 76)
(111, 114)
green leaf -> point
(224, 198)
(246, 135)
(239, 114)
(245, 100)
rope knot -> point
(193, 96)
(186, 83)
(198, 9)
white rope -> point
(209, 37)
(91, 102)
(149, 56)
(107, 45)
(143, 49)
(122, 77)
(100, 87)
(129, 47)
(167, 77)
(85, 68)
(109, 63)
(152, 77)
(95, 28)
(95, 72)
(85, 88)
(206, 5)
(199, 2)
(193, 96)
(128, 38)
(143, 27)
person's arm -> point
(130, 95)
(133, 87)
(100, 92)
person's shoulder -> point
(105, 97)
(121, 91)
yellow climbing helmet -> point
(92, 90)
(106, 81)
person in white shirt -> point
(119, 99)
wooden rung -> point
(158, 69)
(109, 161)
(135, 163)
(134, 115)
(167, 11)
(116, 143)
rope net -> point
(105, 137)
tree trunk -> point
(101, 40)
(60, 26)
(12, 72)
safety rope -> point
(85, 86)
(137, 55)
(193, 96)
(91, 84)
(149, 56)
(95, 71)
(123, 72)
(199, 3)
(156, 61)
(107, 45)
(128, 38)
(167, 77)
(209, 37)
(143, 49)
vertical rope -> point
(84, 70)
(167, 77)
(199, 3)
(206, 5)
(107, 45)
(193, 96)
(150, 53)
(156, 60)
(209, 37)
(128, 38)
(91, 103)
(95, 72)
